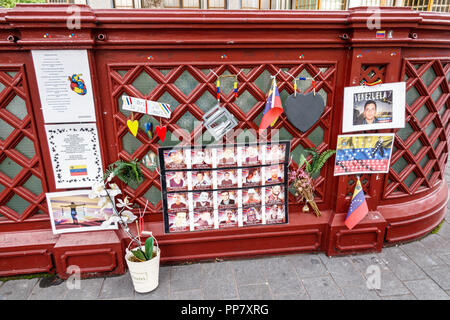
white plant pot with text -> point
(145, 274)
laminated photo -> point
(226, 157)
(227, 199)
(227, 178)
(201, 158)
(201, 180)
(374, 107)
(275, 194)
(275, 153)
(175, 159)
(176, 181)
(364, 153)
(274, 213)
(203, 220)
(251, 177)
(274, 174)
(177, 201)
(179, 221)
(202, 200)
(251, 155)
(251, 197)
(228, 218)
(251, 215)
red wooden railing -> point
(169, 55)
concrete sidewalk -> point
(417, 270)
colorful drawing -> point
(77, 84)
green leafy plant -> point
(147, 254)
(126, 171)
(318, 160)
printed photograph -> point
(227, 199)
(364, 153)
(227, 178)
(251, 215)
(203, 220)
(202, 200)
(74, 211)
(275, 213)
(177, 201)
(251, 177)
(201, 180)
(226, 157)
(228, 218)
(274, 194)
(275, 153)
(250, 155)
(174, 159)
(201, 158)
(176, 181)
(274, 174)
(374, 107)
(179, 221)
(251, 197)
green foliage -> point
(126, 171)
(149, 248)
(318, 160)
(138, 253)
(12, 3)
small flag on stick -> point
(273, 108)
(358, 207)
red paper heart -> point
(161, 132)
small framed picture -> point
(251, 177)
(227, 199)
(274, 213)
(74, 211)
(226, 157)
(201, 158)
(251, 155)
(275, 194)
(201, 180)
(275, 153)
(251, 197)
(274, 174)
(228, 218)
(374, 107)
(202, 200)
(203, 220)
(251, 215)
(227, 178)
(179, 221)
(175, 159)
(177, 201)
(176, 181)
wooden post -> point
(430, 5)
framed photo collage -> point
(224, 186)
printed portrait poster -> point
(203, 201)
(228, 218)
(74, 211)
(374, 107)
(227, 199)
(227, 178)
(65, 88)
(275, 153)
(75, 155)
(274, 213)
(176, 181)
(364, 153)
(179, 221)
(251, 215)
(175, 159)
(203, 220)
(201, 158)
(177, 201)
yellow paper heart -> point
(133, 126)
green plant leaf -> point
(303, 161)
(149, 248)
(324, 156)
(138, 253)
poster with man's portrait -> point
(374, 107)
(179, 221)
(177, 201)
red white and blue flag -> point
(273, 108)
(358, 207)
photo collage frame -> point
(222, 186)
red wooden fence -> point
(169, 55)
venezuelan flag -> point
(273, 108)
(80, 170)
(358, 207)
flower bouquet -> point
(301, 181)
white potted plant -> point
(143, 258)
